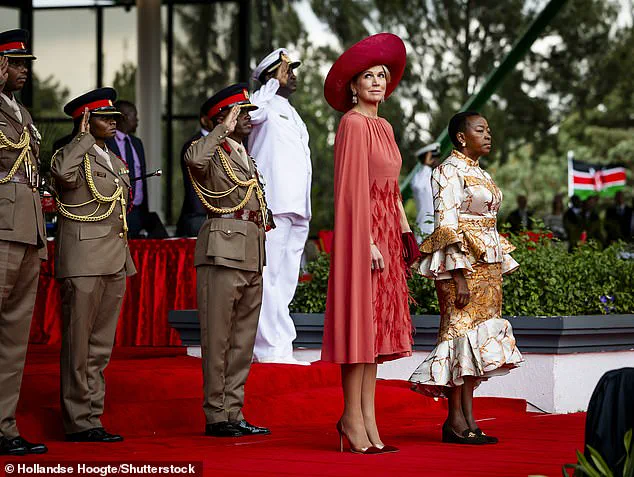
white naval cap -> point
(270, 62)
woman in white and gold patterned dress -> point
(467, 258)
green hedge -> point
(550, 282)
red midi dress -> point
(367, 314)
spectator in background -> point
(618, 220)
(421, 188)
(572, 222)
(141, 222)
(519, 219)
(193, 213)
(591, 221)
(555, 220)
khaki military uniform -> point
(229, 258)
(92, 260)
(22, 246)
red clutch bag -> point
(411, 253)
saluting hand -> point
(84, 126)
(231, 119)
(282, 73)
(4, 71)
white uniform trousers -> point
(284, 248)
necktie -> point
(129, 159)
(16, 110)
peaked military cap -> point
(13, 44)
(235, 94)
(98, 101)
(271, 62)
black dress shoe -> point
(98, 434)
(467, 437)
(249, 429)
(19, 446)
(223, 429)
(487, 438)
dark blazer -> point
(137, 144)
(617, 226)
(193, 211)
(515, 221)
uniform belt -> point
(18, 178)
(247, 215)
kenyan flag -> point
(586, 179)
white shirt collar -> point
(104, 153)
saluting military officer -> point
(229, 259)
(92, 260)
(22, 234)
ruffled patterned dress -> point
(475, 340)
(367, 312)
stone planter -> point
(550, 335)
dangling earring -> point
(463, 144)
(355, 100)
(383, 99)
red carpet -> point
(154, 400)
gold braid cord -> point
(251, 184)
(97, 197)
(23, 145)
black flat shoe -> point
(18, 446)
(488, 439)
(468, 437)
(98, 434)
(249, 429)
(223, 429)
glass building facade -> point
(81, 45)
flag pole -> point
(571, 184)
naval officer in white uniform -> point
(279, 145)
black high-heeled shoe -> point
(488, 439)
(364, 450)
(468, 437)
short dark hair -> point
(124, 103)
(458, 123)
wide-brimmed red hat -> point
(380, 49)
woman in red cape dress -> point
(367, 314)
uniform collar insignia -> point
(225, 145)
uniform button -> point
(34, 189)
(116, 181)
(121, 234)
(120, 216)
(228, 231)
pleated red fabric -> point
(165, 280)
(367, 315)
